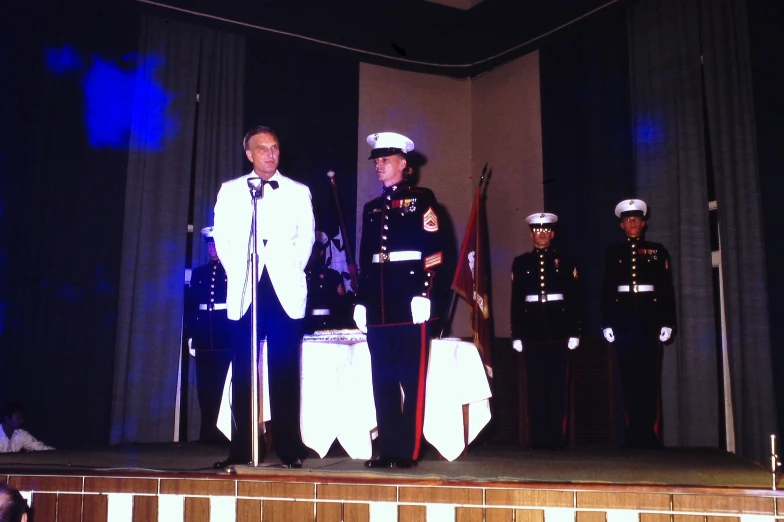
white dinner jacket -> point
(288, 229)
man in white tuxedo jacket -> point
(285, 236)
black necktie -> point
(273, 184)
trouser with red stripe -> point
(639, 358)
(547, 371)
(399, 356)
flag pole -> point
(453, 300)
(350, 261)
(449, 314)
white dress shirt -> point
(20, 440)
(285, 220)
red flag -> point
(472, 283)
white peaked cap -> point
(389, 143)
(542, 219)
(631, 205)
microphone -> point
(331, 176)
(256, 186)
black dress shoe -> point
(230, 462)
(293, 464)
(402, 462)
(381, 462)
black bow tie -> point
(256, 183)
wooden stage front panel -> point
(307, 497)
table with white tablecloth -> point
(337, 396)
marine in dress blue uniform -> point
(207, 327)
(546, 325)
(400, 253)
(638, 315)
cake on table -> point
(345, 335)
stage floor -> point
(693, 467)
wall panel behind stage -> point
(435, 113)
(507, 135)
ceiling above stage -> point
(452, 37)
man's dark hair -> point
(12, 504)
(11, 407)
(259, 129)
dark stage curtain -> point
(219, 155)
(157, 207)
(731, 130)
(766, 18)
(671, 176)
(696, 116)
(62, 197)
(156, 215)
(312, 102)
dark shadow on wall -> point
(310, 100)
(587, 146)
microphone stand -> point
(256, 193)
(350, 261)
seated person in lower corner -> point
(12, 437)
(13, 506)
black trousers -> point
(639, 360)
(211, 368)
(284, 352)
(398, 357)
(547, 374)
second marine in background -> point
(329, 305)
(207, 328)
(546, 324)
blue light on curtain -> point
(109, 86)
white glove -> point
(190, 347)
(360, 317)
(517, 344)
(574, 342)
(665, 334)
(420, 309)
(609, 335)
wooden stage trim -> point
(304, 496)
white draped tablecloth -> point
(337, 396)
(455, 377)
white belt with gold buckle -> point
(635, 288)
(544, 298)
(216, 306)
(391, 257)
